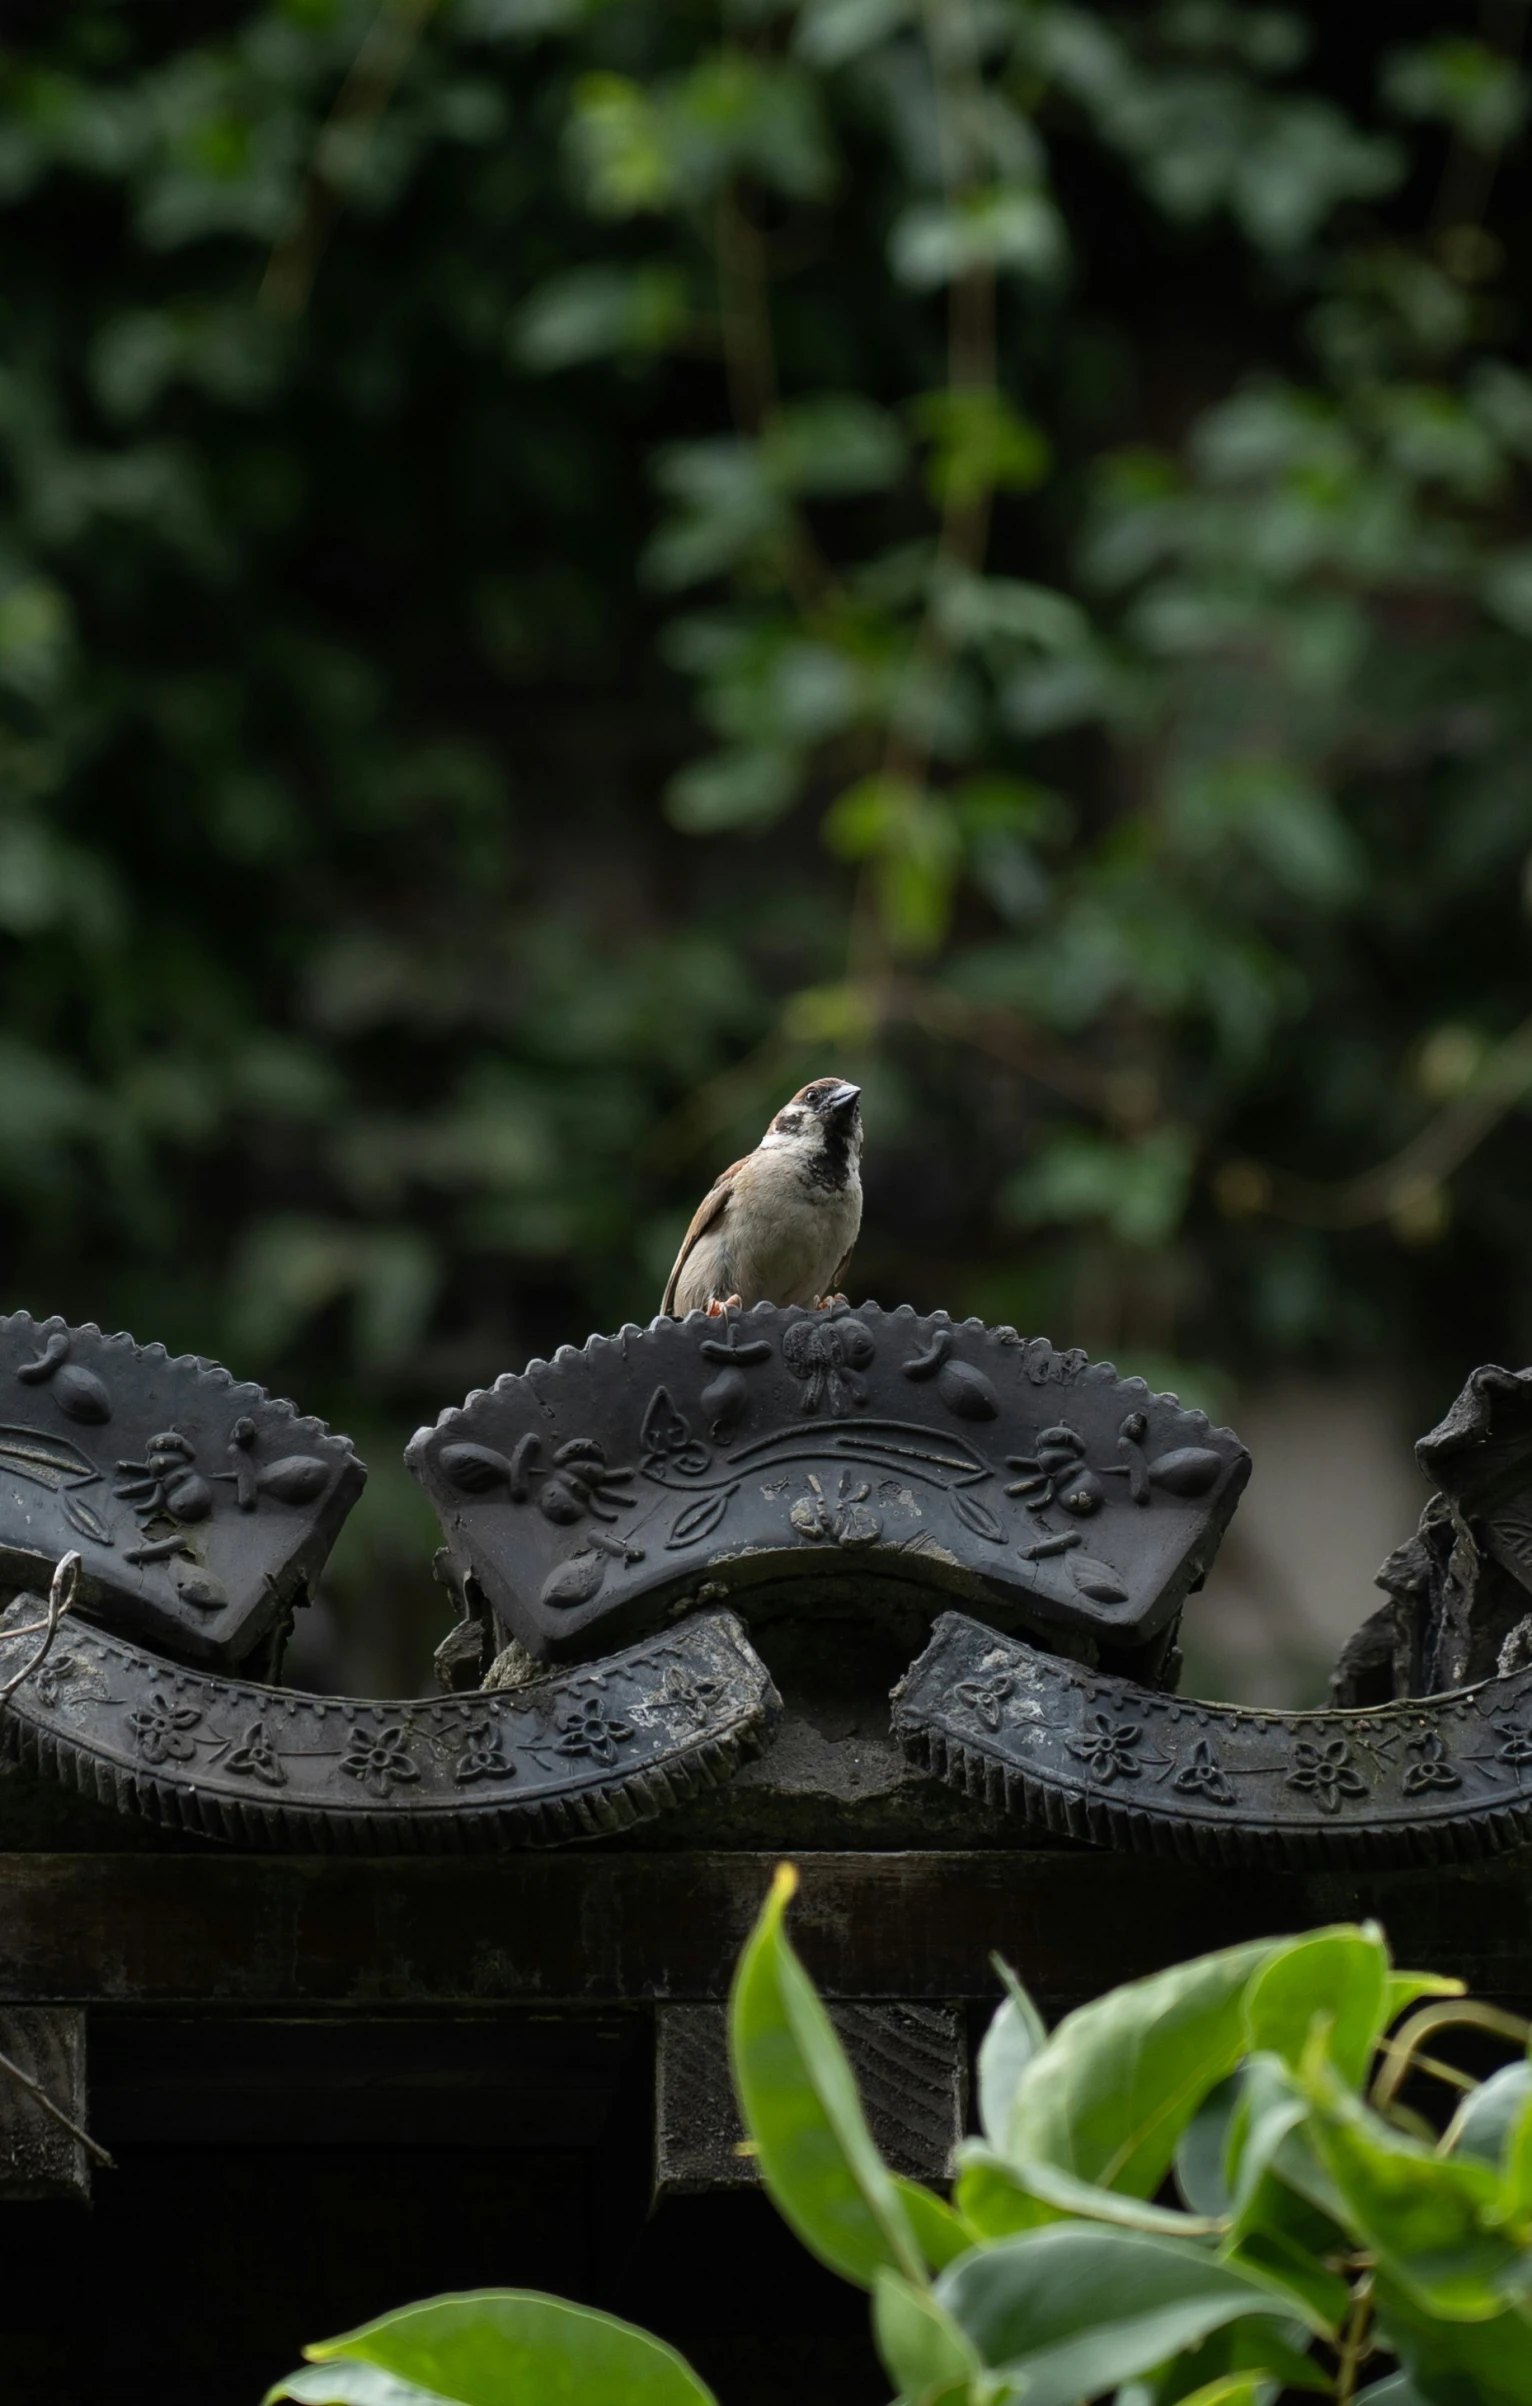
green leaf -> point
(740, 789)
(1489, 2116)
(924, 2352)
(943, 2234)
(350, 2385)
(741, 111)
(1006, 227)
(1230, 2389)
(980, 443)
(1201, 2157)
(1274, 812)
(1288, 2223)
(1272, 2352)
(1003, 609)
(1008, 2046)
(1335, 1977)
(1118, 2081)
(829, 32)
(1269, 2137)
(1293, 2256)
(913, 841)
(1069, 2311)
(834, 443)
(596, 312)
(618, 138)
(1429, 2217)
(291, 1269)
(1469, 84)
(1456, 2363)
(801, 2108)
(1138, 1188)
(1407, 1988)
(1506, 582)
(726, 512)
(990, 2196)
(492, 2345)
(1514, 2203)
(1081, 2197)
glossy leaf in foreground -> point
(1338, 1977)
(495, 2347)
(989, 2193)
(1082, 2198)
(1271, 2153)
(1201, 2157)
(1075, 2309)
(1456, 2363)
(1110, 2094)
(1271, 2353)
(1428, 2217)
(1230, 2389)
(801, 2108)
(1488, 2116)
(941, 2232)
(341, 2384)
(1016, 2034)
(923, 2351)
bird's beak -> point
(843, 1100)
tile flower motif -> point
(1433, 1769)
(986, 1697)
(1326, 1772)
(163, 1729)
(483, 1755)
(587, 1728)
(1201, 1775)
(1106, 1749)
(379, 1757)
(686, 1695)
(256, 1755)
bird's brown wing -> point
(707, 1211)
(841, 1267)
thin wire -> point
(62, 1591)
(61, 1596)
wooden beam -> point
(246, 1931)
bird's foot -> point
(830, 1303)
(730, 1303)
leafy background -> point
(564, 567)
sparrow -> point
(778, 1227)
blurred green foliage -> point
(567, 564)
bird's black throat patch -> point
(830, 1167)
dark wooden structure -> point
(333, 2085)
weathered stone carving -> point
(582, 1753)
(834, 1470)
(1102, 1759)
(200, 1507)
(1460, 1589)
(1046, 1491)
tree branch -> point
(374, 74)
